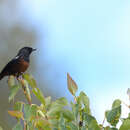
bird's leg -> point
(18, 76)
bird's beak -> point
(34, 49)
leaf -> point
(16, 114)
(54, 112)
(62, 123)
(125, 125)
(116, 103)
(75, 110)
(61, 101)
(83, 99)
(13, 91)
(93, 125)
(39, 95)
(88, 118)
(84, 128)
(18, 126)
(42, 124)
(11, 81)
(72, 86)
(54, 122)
(27, 112)
(26, 90)
(33, 110)
(113, 115)
(68, 115)
(109, 128)
(41, 113)
(30, 80)
(72, 126)
(48, 102)
(18, 106)
(57, 107)
(30, 126)
(128, 115)
(30, 111)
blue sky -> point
(88, 39)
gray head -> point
(25, 51)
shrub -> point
(60, 114)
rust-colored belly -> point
(23, 65)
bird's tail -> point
(1, 76)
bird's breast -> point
(23, 65)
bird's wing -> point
(10, 67)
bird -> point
(19, 64)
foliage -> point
(60, 114)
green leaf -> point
(16, 114)
(90, 121)
(125, 125)
(116, 103)
(68, 115)
(109, 128)
(61, 102)
(54, 112)
(42, 124)
(75, 110)
(30, 126)
(30, 111)
(13, 91)
(18, 106)
(62, 123)
(128, 115)
(83, 99)
(84, 128)
(39, 95)
(72, 126)
(88, 118)
(72, 86)
(54, 122)
(18, 126)
(113, 128)
(54, 128)
(48, 102)
(34, 109)
(30, 80)
(41, 113)
(113, 115)
(57, 107)
(27, 112)
(93, 125)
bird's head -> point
(25, 51)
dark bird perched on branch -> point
(19, 64)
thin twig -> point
(25, 125)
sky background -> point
(88, 39)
